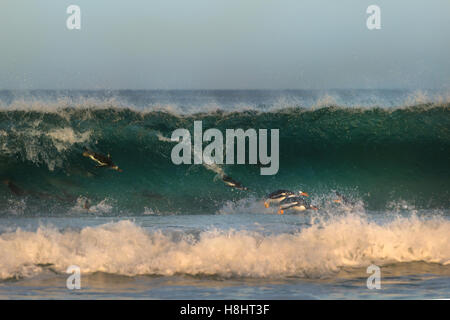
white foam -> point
(161, 137)
(63, 138)
(325, 247)
(148, 211)
(247, 205)
(28, 143)
(104, 206)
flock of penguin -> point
(289, 200)
(286, 199)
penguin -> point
(280, 195)
(233, 183)
(87, 205)
(103, 161)
(295, 203)
(14, 188)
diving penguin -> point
(103, 161)
(295, 203)
(280, 195)
(14, 188)
(233, 183)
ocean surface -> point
(164, 231)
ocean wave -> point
(321, 250)
(380, 154)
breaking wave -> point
(377, 155)
(321, 250)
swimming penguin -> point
(280, 195)
(87, 205)
(13, 188)
(34, 193)
(233, 183)
(295, 203)
(103, 161)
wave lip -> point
(321, 250)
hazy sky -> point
(224, 44)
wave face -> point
(376, 155)
(349, 241)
